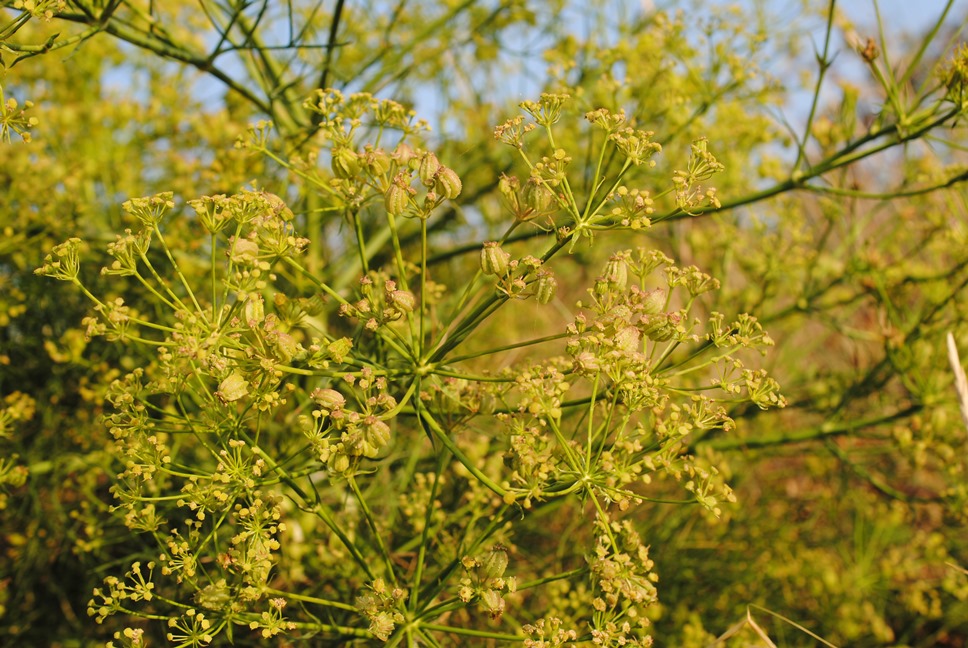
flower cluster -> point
(484, 581)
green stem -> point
(441, 435)
(371, 522)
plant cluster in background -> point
(342, 378)
(279, 411)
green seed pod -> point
(244, 251)
(278, 206)
(493, 603)
(537, 196)
(377, 162)
(508, 186)
(328, 399)
(232, 388)
(628, 339)
(494, 563)
(448, 183)
(494, 260)
(397, 198)
(402, 154)
(376, 434)
(402, 300)
(254, 310)
(617, 271)
(654, 301)
(287, 346)
(346, 163)
(658, 327)
(429, 165)
(587, 364)
(340, 463)
(545, 287)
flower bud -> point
(346, 163)
(429, 165)
(494, 260)
(448, 183)
(545, 287)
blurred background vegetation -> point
(843, 227)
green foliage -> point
(331, 377)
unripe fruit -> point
(448, 183)
(494, 260)
(397, 198)
(537, 196)
(617, 272)
(346, 163)
(232, 388)
(545, 287)
(328, 399)
(402, 300)
(377, 162)
(429, 165)
(244, 251)
(654, 301)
